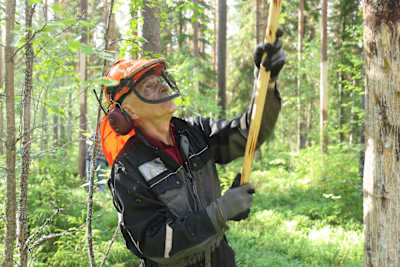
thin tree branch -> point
(48, 220)
(56, 35)
(30, 39)
(50, 236)
(116, 232)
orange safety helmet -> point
(117, 126)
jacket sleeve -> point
(150, 230)
(227, 138)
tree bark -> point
(214, 51)
(382, 133)
(264, 18)
(258, 21)
(22, 218)
(83, 98)
(300, 37)
(112, 34)
(43, 138)
(2, 95)
(55, 130)
(70, 128)
(221, 55)
(43, 135)
(324, 79)
(196, 51)
(309, 123)
(341, 108)
(9, 240)
(150, 29)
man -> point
(164, 181)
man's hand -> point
(275, 56)
(235, 204)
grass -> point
(303, 214)
(285, 229)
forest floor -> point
(284, 228)
(304, 214)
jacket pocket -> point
(171, 190)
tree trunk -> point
(309, 123)
(361, 156)
(22, 223)
(341, 108)
(43, 138)
(221, 55)
(10, 205)
(196, 51)
(300, 37)
(324, 79)
(1, 93)
(43, 135)
(264, 18)
(63, 136)
(150, 29)
(382, 133)
(55, 130)
(70, 127)
(83, 98)
(112, 33)
(214, 51)
(258, 21)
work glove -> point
(233, 205)
(244, 214)
(275, 56)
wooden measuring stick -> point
(262, 87)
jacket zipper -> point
(193, 186)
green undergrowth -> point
(304, 213)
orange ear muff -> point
(120, 121)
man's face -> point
(151, 88)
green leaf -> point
(31, 2)
(57, 8)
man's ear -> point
(131, 112)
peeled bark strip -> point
(382, 133)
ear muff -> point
(120, 121)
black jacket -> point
(162, 205)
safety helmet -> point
(128, 72)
